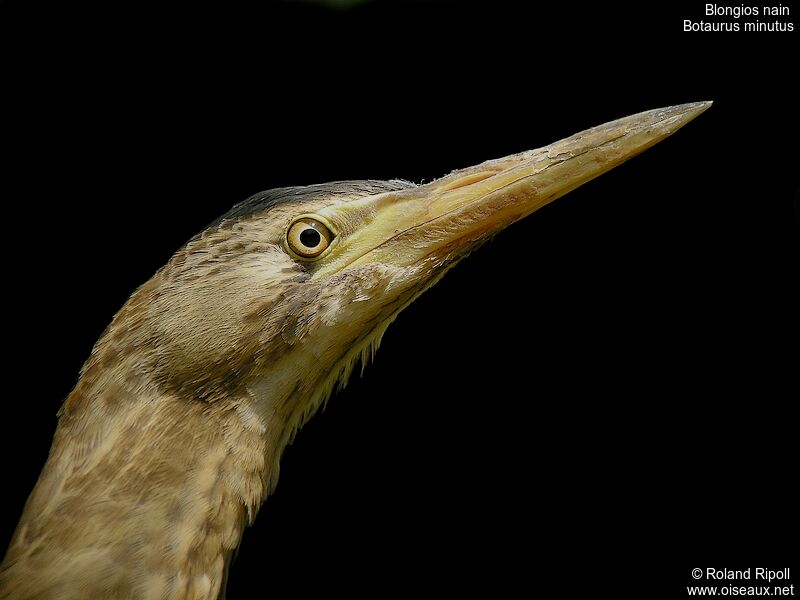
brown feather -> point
(164, 451)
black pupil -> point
(310, 238)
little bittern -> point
(170, 440)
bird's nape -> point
(171, 439)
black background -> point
(597, 402)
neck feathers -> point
(143, 496)
(170, 441)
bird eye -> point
(308, 238)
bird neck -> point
(143, 493)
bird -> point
(171, 439)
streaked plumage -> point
(171, 439)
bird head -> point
(278, 298)
(171, 438)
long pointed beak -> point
(521, 183)
(443, 220)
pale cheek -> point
(212, 318)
